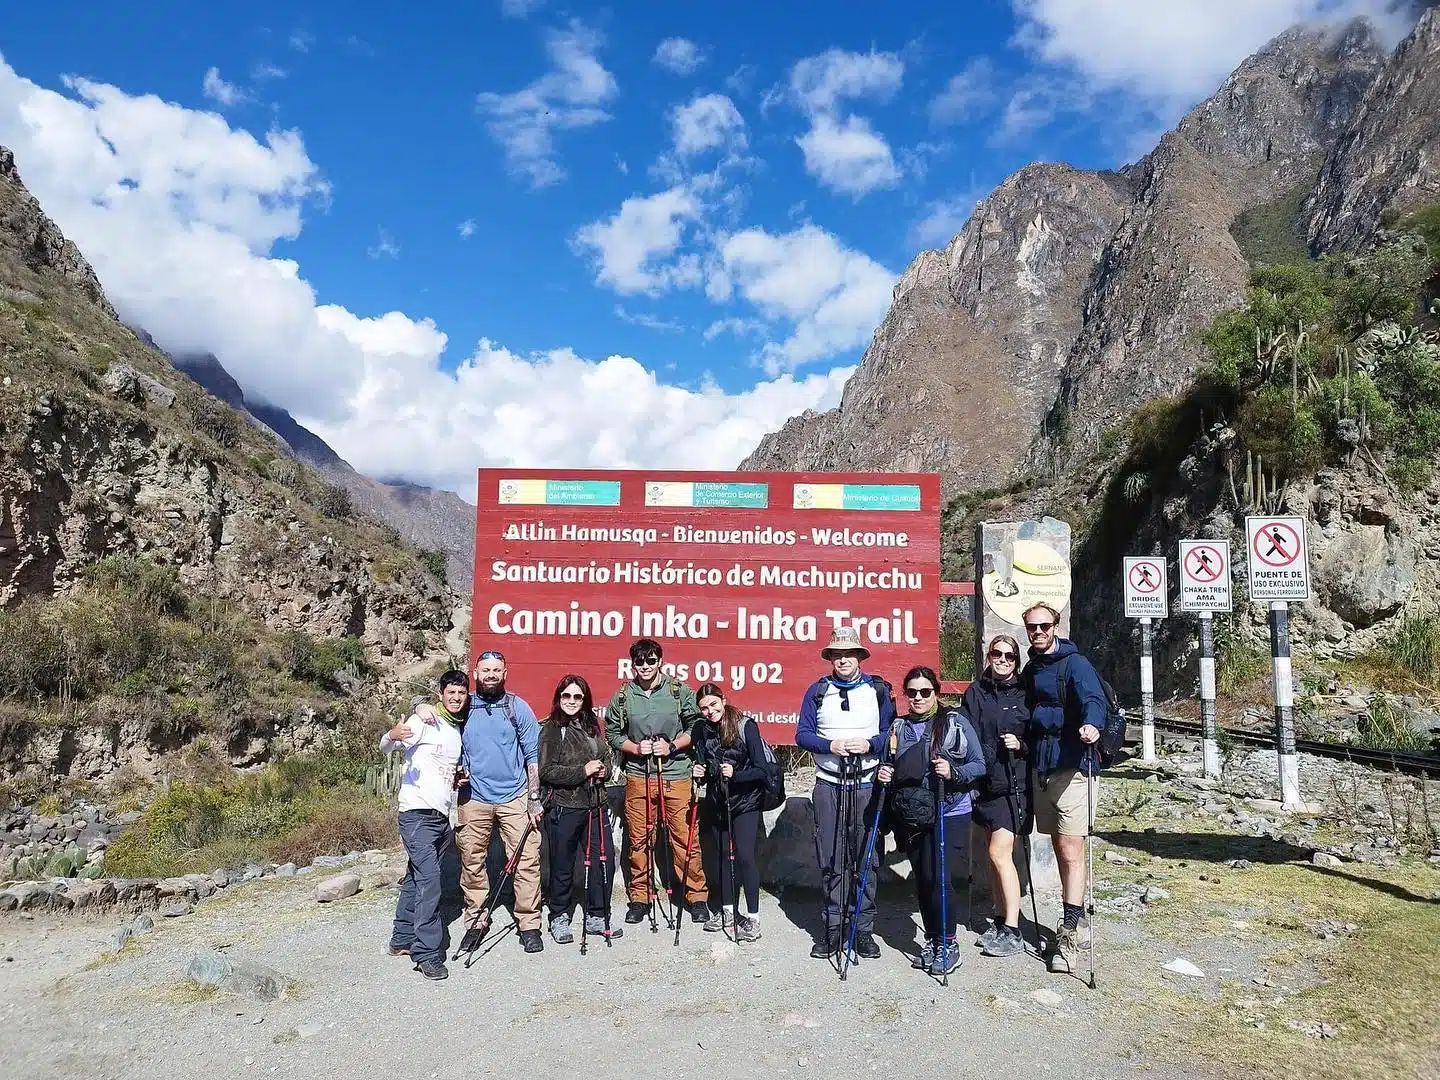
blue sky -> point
(426, 235)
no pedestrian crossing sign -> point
(1205, 575)
(1278, 558)
(1145, 593)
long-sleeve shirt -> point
(666, 710)
(834, 710)
(961, 747)
(431, 753)
(502, 738)
(564, 750)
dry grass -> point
(352, 827)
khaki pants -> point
(677, 823)
(476, 821)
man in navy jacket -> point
(1065, 724)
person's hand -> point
(727, 770)
(942, 768)
(662, 748)
(647, 747)
(535, 811)
(1089, 733)
(1012, 742)
(594, 769)
(885, 773)
(840, 747)
(858, 746)
(698, 772)
(399, 733)
(462, 776)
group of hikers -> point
(1018, 748)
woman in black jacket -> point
(995, 705)
(730, 758)
(574, 764)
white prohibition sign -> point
(1145, 592)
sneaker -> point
(947, 959)
(1064, 955)
(531, 941)
(747, 928)
(990, 933)
(433, 969)
(865, 946)
(1007, 943)
(699, 912)
(595, 924)
(472, 939)
(399, 950)
(926, 957)
(560, 930)
(825, 947)
(636, 912)
(719, 920)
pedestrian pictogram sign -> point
(1205, 575)
(1145, 592)
(1278, 557)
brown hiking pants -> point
(640, 823)
(476, 821)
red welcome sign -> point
(740, 576)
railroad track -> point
(1394, 761)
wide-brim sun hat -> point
(844, 639)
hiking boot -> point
(1007, 943)
(1064, 955)
(595, 924)
(926, 957)
(865, 946)
(825, 947)
(433, 970)
(399, 950)
(699, 912)
(719, 920)
(747, 928)
(560, 930)
(990, 933)
(947, 959)
(531, 941)
(635, 912)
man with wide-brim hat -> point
(844, 720)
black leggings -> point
(565, 832)
(921, 847)
(717, 856)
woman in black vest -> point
(730, 759)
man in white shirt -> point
(430, 739)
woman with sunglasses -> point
(574, 764)
(932, 748)
(996, 707)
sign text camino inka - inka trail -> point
(740, 576)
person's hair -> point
(1008, 640)
(644, 647)
(940, 726)
(585, 719)
(454, 678)
(729, 719)
(1042, 606)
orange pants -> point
(640, 823)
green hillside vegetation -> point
(1271, 234)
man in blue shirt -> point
(501, 764)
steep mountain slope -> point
(1068, 296)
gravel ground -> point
(640, 1009)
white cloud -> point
(224, 94)
(264, 72)
(967, 95)
(649, 322)
(737, 326)
(678, 55)
(570, 95)
(820, 83)
(301, 40)
(520, 9)
(707, 122)
(1176, 50)
(943, 218)
(384, 247)
(629, 245)
(178, 213)
(466, 228)
(832, 296)
(848, 156)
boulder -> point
(1366, 573)
(243, 977)
(337, 887)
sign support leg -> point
(1209, 734)
(1284, 704)
(1147, 692)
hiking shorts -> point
(994, 814)
(1060, 802)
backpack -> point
(622, 708)
(876, 681)
(1112, 732)
(774, 795)
(913, 806)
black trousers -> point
(922, 847)
(565, 834)
(716, 852)
(842, 824)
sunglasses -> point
(1001, 654)
(1036, 627)
(924, 691)
(491, 654)
(572, 697)
(647, 661)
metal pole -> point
(1284, 705)
(1147, 693)
(1209, 735)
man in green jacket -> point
(648, 721)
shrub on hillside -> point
(214, 419)
(435, 562)
(334, 501)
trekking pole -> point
(606, 878)
(865, 867)
(691, 815)
(847, 866)
(662, 820)
(585, 888)
(943, 880)
(650, 830)
(730, 835)
(1090, 782)
(1024, 844)
(489, 910)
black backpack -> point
(1112, 733)
(774, 796)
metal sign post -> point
(1146, 599)
(1279, 562)
(1205, 589)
